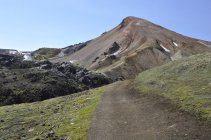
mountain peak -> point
(131, 19)
(135, 45)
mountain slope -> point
(136, 45)
(185, 82)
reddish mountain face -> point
(134, 46)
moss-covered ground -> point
(65, 117)
(186, 83)
(46, 53)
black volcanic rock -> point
(74, 48)
(7, 60)
(30, 81)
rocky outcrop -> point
(74, 48)
(45, 53)
(9, 52)
(55, 54)
(30, 81)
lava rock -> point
(32, 81)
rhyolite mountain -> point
(134, 46)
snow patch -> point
(27, 57)
(205, 44)
(138, 23)
(116, 52)
(118, 65)
(73, 61)
(13, 52)
(175, 44)
(167, 50)
(61, 54)
(103, 59)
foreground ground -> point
(63, 118)
(125, 115)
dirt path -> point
(124, 115)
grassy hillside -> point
(186, 82)
(65, 117)
(45, 53)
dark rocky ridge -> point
(74, 48)
(30, 81)
(7, 51)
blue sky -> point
(31, 24)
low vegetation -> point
(186, 82)
(60, 118)
(45, 53)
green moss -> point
(185, 82)
(46, 53)
(67, 116)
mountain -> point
(134, 46)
